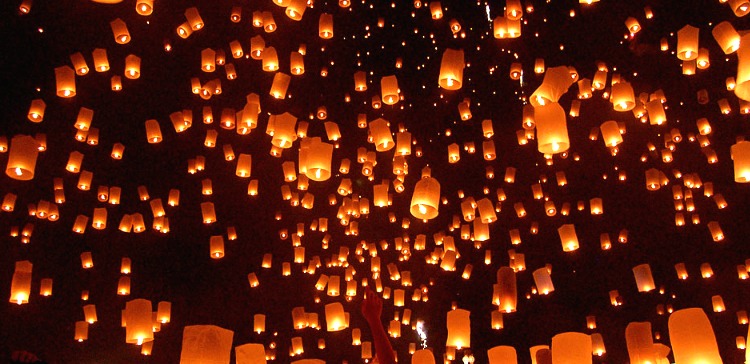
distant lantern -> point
(692, 337)
(153, 131)
(687, 43)
(144, 7)
(325, 26)
(459, 329)
(571, 348)
(543, 281)
(81, 331)
(120, 31)
(206, 344)
(270, 59)
(65, 78)
(451, 69)
(742, 81)
(740, 153)
(643, 278)
(507, 293)
(551, 129)
(296, 9)
(208, 212)
(335, 317)
(296, 63)
(259, 323)
(194, 18)
(244, 165)
(622, 96)
(138, 318)
(568, 237)
(360, 81)
(24, 150)
(656, 114)
(727, 37)
(208, 60)
(216, 246)
(257, 46)
(280, 85)
(79, 64)
(632, 25)
(389, 89)
(20, 287)
(426, 198)
(516, 71)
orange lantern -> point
(451, 69)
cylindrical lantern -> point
(120, 31)
(692, 337)
(571, 348)
(335, 317)
(740, 153)
(138, 319)
(459, 329)
(20, 286)
(36, 110)
(65, 78)
(507, 294)
(451, 69)
(24, 150)
(543, 281)
(153, 131)
(325, 26)
(390, 91)
(81, 331)
(726, 36)
(502, 354)
(551, 129)
(556, 82)
(643, 278)
(144, 7)
(426, 198)
(687, 43)
(568, 237)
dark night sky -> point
(176, 267)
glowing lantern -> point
(459, 329)
(132, 67)
(451, 69)
(611, 133)
(716, 233)
(718, 303)
(194, 18)
(250, 354)
(551, 129)
(144, 7)
(740, 153)
(692, 337)
(571, 348)
(208, 212)
(656, 114)
(81, 331)
(389, 90)
(727, 37)
(436, 10)
(568, 237)
(280, 85)
(270, 59)
(216, 247)
(259, 323)
(632, 25)
(502, 355)
(153, 131)
(556, 82)
(507, 295)
(281, 128)
(540, 351)
(643, 278)
(335, 317)
(65, 79)
(296, 63)
(24, 150)
(622, 97)
(381, 135)
(36, 111)
(138, 321)
(687, 43)
(296, 9)
(426, 198)
(120, 31)
(740, 7)
(205, 344)
(20, 287)
(208, 60)
(543, 281)
(325, 26)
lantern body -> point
(206, 344)
(568, 237)
(280, 85)
(451, 69)
(65, 78)
(571, 348)
(740, 153)
(24, 150)
(556, 82)
(426, 199)
(543, 281)
(459, 329)
(687, 43)
(502, 355)
(507, 291)
(640, 343)
(423, 356)
(726, 36)
(138, 321)
(250, 354)
(551, 129)
(335, 317)
(389, 90)
(692, 337)
(20, 287)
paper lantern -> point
(250, 354)
(551, 129)
(692, 337)
(36, 111)
(325, 26)
(208, 212)
(65, 79)
(138, 321)
(282, 129)
(451, 69)
(120, 31)
(571, 348)
(740, 153)
(25, 6)
(622, 96)
(335, 317)
(216, 247)
(20, 286)
(568, 237)
(726, 36)
(194, 18)
(81, 331)
(436, 10)
(459, 329)
(543, 351)
(259, 323)
(206, 344)
(24, 150)
(423, 356)
(502, 354)
(426, 198)
(687, 43)
(316, 158)
(389, 90)
(507, 295)
(543, 281)
(740, 7)
(556, 82)
(632, 25)
(643, 278)
(144, 7)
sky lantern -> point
(138, 319)
(451, 69)
(726, 36)
(335, 317)
(640, 344)
(643, 278)
(543, 281)
(270, 59)
(65, 78)
(120, 31)
(22, 157)
(611, 133)
(740, 153)
(205, 344)
(692, 337)
(742, 81)
(194, 18)
(507, 295)
(632, 25)
(556, 82)
(389, 90)
(568, 237)
(426, 197)
(571, 348)
(296, 9)
(20, 287)
(144, 7)
(282, 130)
(551, 129)
(459, 329)
(296, 63)
(250, 354)
(502, 354)
(280, 85)
(325, 26)
(622, 97)
(740, 7)
(381, 135)
(687, 43)
(436, 10)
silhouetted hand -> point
(372, 306)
